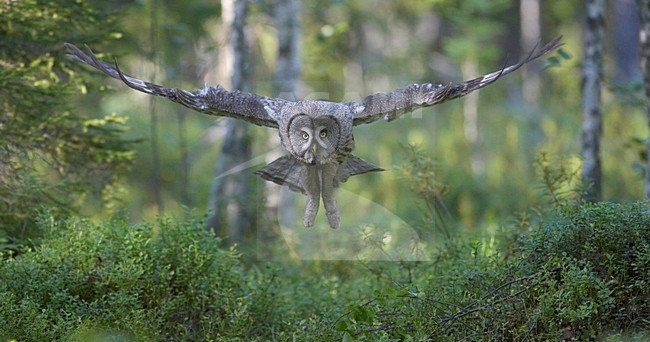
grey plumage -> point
(286, 171)
(317, 135)
(208, 100)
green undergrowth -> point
(166, 281)
(581, 273)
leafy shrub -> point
(169, 280)
(609, 244)
(580, 276)
(583, 274)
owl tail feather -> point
(286, 171)
(356, 166)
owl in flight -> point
(316, 135)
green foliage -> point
(610, 241)
(574, 272)
(170, 280)
(423, 176)
(559, 180)
(470, 44)
(50, 155)
(581, 275)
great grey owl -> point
(317, 135)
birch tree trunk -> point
(153, 113)
(625, 42)
(286, 14)
(530, 26)
(644, 39)
(232, 214)
(184, 167)
(591, 100)
(531, 32)
(469, 69)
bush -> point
(582, 275)
(168, 281)
(603, 251)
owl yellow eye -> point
(323, 133)
(305, 136)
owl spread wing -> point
(390, 106)
(209, 100)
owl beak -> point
(314, 148)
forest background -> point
(465, 170)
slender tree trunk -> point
(531, 32)
(469, 69)
(644, 39)
(530, 27)
(286, 17)
(232, 213)
(625, 41)
(286, 14)
(155, 154)
(185, 161)
(591, 100)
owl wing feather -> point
(390, 106)
(209, 100)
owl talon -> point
(334, 219)
(308, 222)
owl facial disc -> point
(314, 140)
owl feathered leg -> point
(311, 185)
(315, 181)
(329, 184)
(320, 181)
